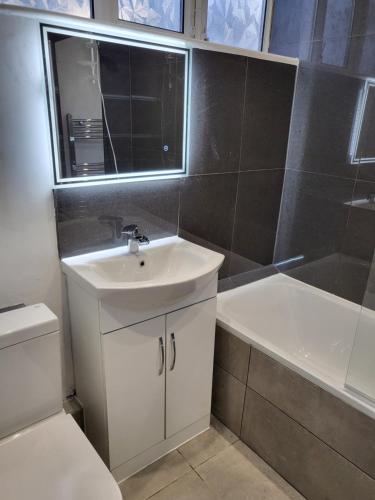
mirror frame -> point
(358, 122)
(52, 108)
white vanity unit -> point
(143, 329)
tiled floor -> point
(214, 465)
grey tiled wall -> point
(240, 112)
(332, 239)
(322, 446)
(152, 205)
(329, 241)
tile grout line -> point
(246, 386)
(239, 168)
(169, 484)
(195, 467)
(234, 376)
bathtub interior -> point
(294, 319)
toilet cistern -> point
(134, 239)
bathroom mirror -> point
(117, 107)
(362, 142)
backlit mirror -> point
(117, 107)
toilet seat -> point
(53, 460)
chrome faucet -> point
(134, 239)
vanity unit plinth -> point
(143, 367)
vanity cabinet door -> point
(190, 350)
(135, 388)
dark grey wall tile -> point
(313, 216)
(232, 354)
(360, 232)
(293, 22)
(311, 466)
(257, 212)
(334, 243)
(366, 171)
(207, 208)
(298, 21)
(352, 279)
(345, 55)
(361, 56)
(343, 428)
(321, 124)
(369, 295)
(228, 395)
(255, 275)
(217, 95)
(314, 237)
(268, 104)
(336, 273)
(364, 18)
(337, 251)
(245, 278)
(240, 264)
(153, 205)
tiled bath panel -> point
(319, 444)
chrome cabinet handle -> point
(161, 347)
(173, 344)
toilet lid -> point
(53, 460)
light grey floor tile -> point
(237, 473)
(188, 487)
(208, 444)
(155, 477)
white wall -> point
(29, 264)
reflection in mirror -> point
(117, 107)
(362, 146)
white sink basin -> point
(168, 262)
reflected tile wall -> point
(293, 24)
(338, 33)
(325, 231)
(324, 238)
(323, 116)
(225, 205)
(313, 216)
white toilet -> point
(44, 455)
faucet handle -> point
(143, 240)
(130, 230)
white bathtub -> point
(309, 330)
